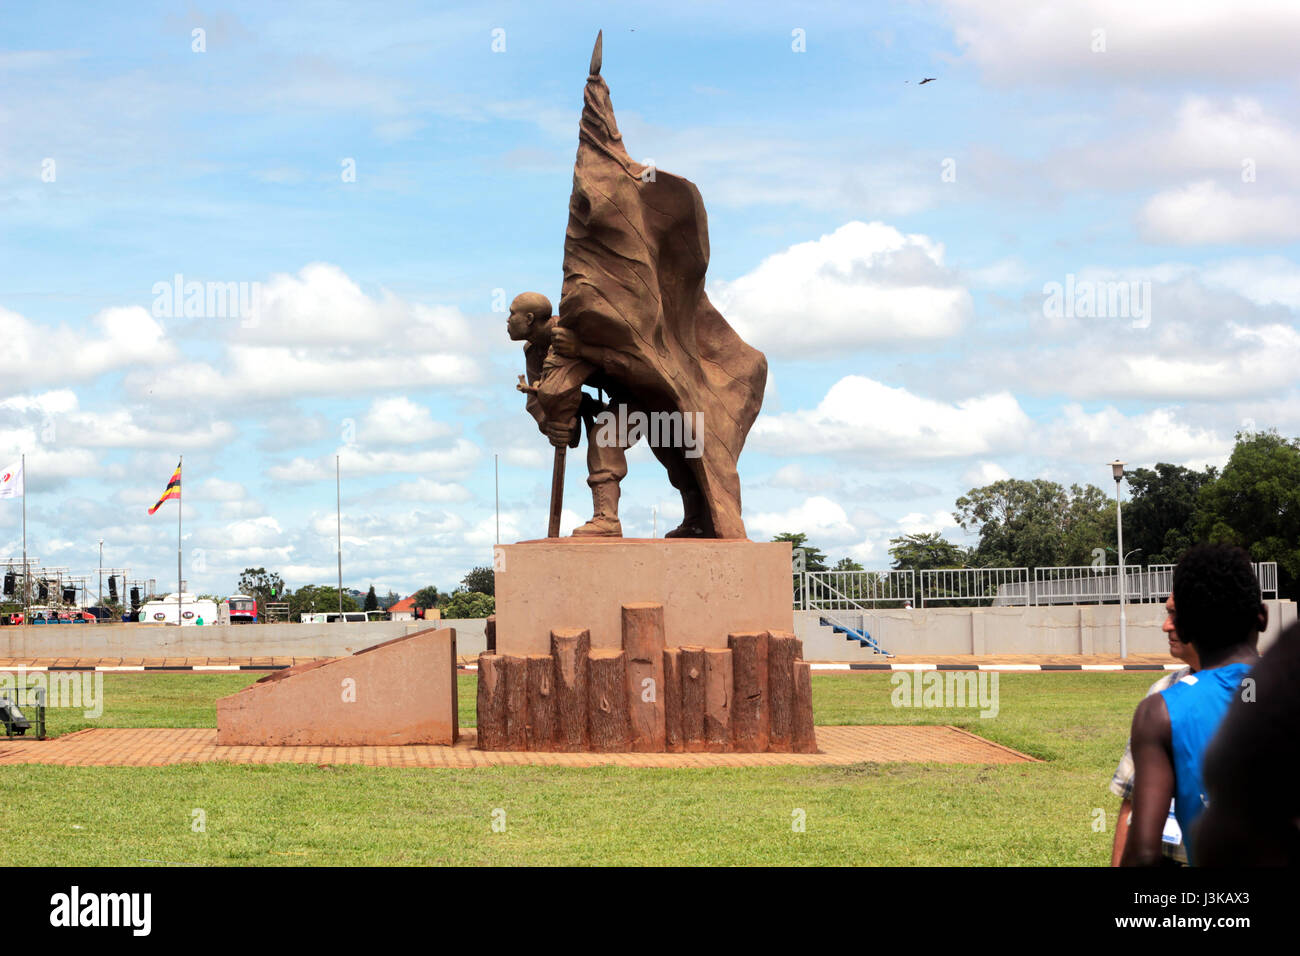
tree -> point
(427, 597)
(1159, 517)
(1035, 523)
(482, 579)
(372, 601)
(391, 598)
(1255, 503)
(263, 585)
(813, 559)
(319, 598)
(465, 604)
(846, 564)
(926, 552)
(804, 558)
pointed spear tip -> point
(596, 53)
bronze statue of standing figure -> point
(635, 323)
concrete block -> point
(402, 691)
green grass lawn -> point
(873, 814)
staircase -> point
(853, 627)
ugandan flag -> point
(173, 489)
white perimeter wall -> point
(1085, 629)
(1076, 629)
(221, 640)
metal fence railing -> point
(1085, 584)
(1160, 581)
(997, 587)
(973, 586)
(854, 590)
(1266, 571)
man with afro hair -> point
(1216, 607)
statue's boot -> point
(692, 525)
(604, 522)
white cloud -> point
(321, 305)
(1211, 136)
(1200, 340)
(250, 373)
(1205, 212)
(263, 532)
(1025, 41)
(57, 402)
(798, 478)
(56, 416)
(218, 489)
(482, 536)
(425, 489)
(918, 523)
(457, 458)
(399, 421)
(984, 473)
(859, 415)
(119, 338)
(1005, 272)
(45, 462)
(1143, 438)
(118, 429)
(1264, 280)
(1225, 139)
(820, 518)
(532, 456)
(1254, 360)
(864, 284)
(318, 333)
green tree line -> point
(1254, 502)
(475, 597)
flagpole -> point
(180, 498)
(338, 503)
(22, 470)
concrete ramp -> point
(402, 691)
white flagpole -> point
(338, 504)
(22, 470)
(179, 499)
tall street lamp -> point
(1117, 470)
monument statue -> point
(584, 626)
(635, 323)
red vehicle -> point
(238, 609)
(52, 616)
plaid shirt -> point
(1121, 784)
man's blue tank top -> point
(1197, 705)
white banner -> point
(11, 481)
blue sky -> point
(888, 246)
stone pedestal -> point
(709, 588)
(400, 692)
(650, 646)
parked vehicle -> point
(164, 610)
(238, 609)
(348, 617)
(52, 615)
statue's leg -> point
(696, 521)
(606, 467)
